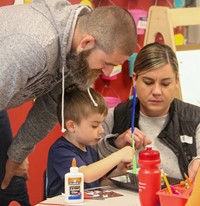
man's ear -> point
(86, 43)
(70, 126)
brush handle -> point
(134, 171)
(133, 111)
(132, 131)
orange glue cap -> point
(74, 162)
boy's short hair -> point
(78, 104)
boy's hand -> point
(126, 154)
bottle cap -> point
(74, 162)
(149, 154)
(74, 168)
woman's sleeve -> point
(104, 147)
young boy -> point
(84, 113)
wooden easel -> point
(163, 20)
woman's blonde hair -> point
(155, 55)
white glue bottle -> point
(74, 180)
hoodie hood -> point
(63, 16)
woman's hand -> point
(193, 169)
(141, 140)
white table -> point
(129, 198)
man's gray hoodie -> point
(34, 42)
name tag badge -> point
(186, 139)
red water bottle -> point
(149, 177)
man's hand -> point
(125, 139)
(15, 169)
(193, 169)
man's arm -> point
(23, 62)
(40, 121)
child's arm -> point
(98, 169)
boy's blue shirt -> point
(60, 158)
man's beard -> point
(82, 76)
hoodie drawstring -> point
(92, 99)
(63, 96)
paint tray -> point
(124, 181)
(129, 181)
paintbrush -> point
(134, 171)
